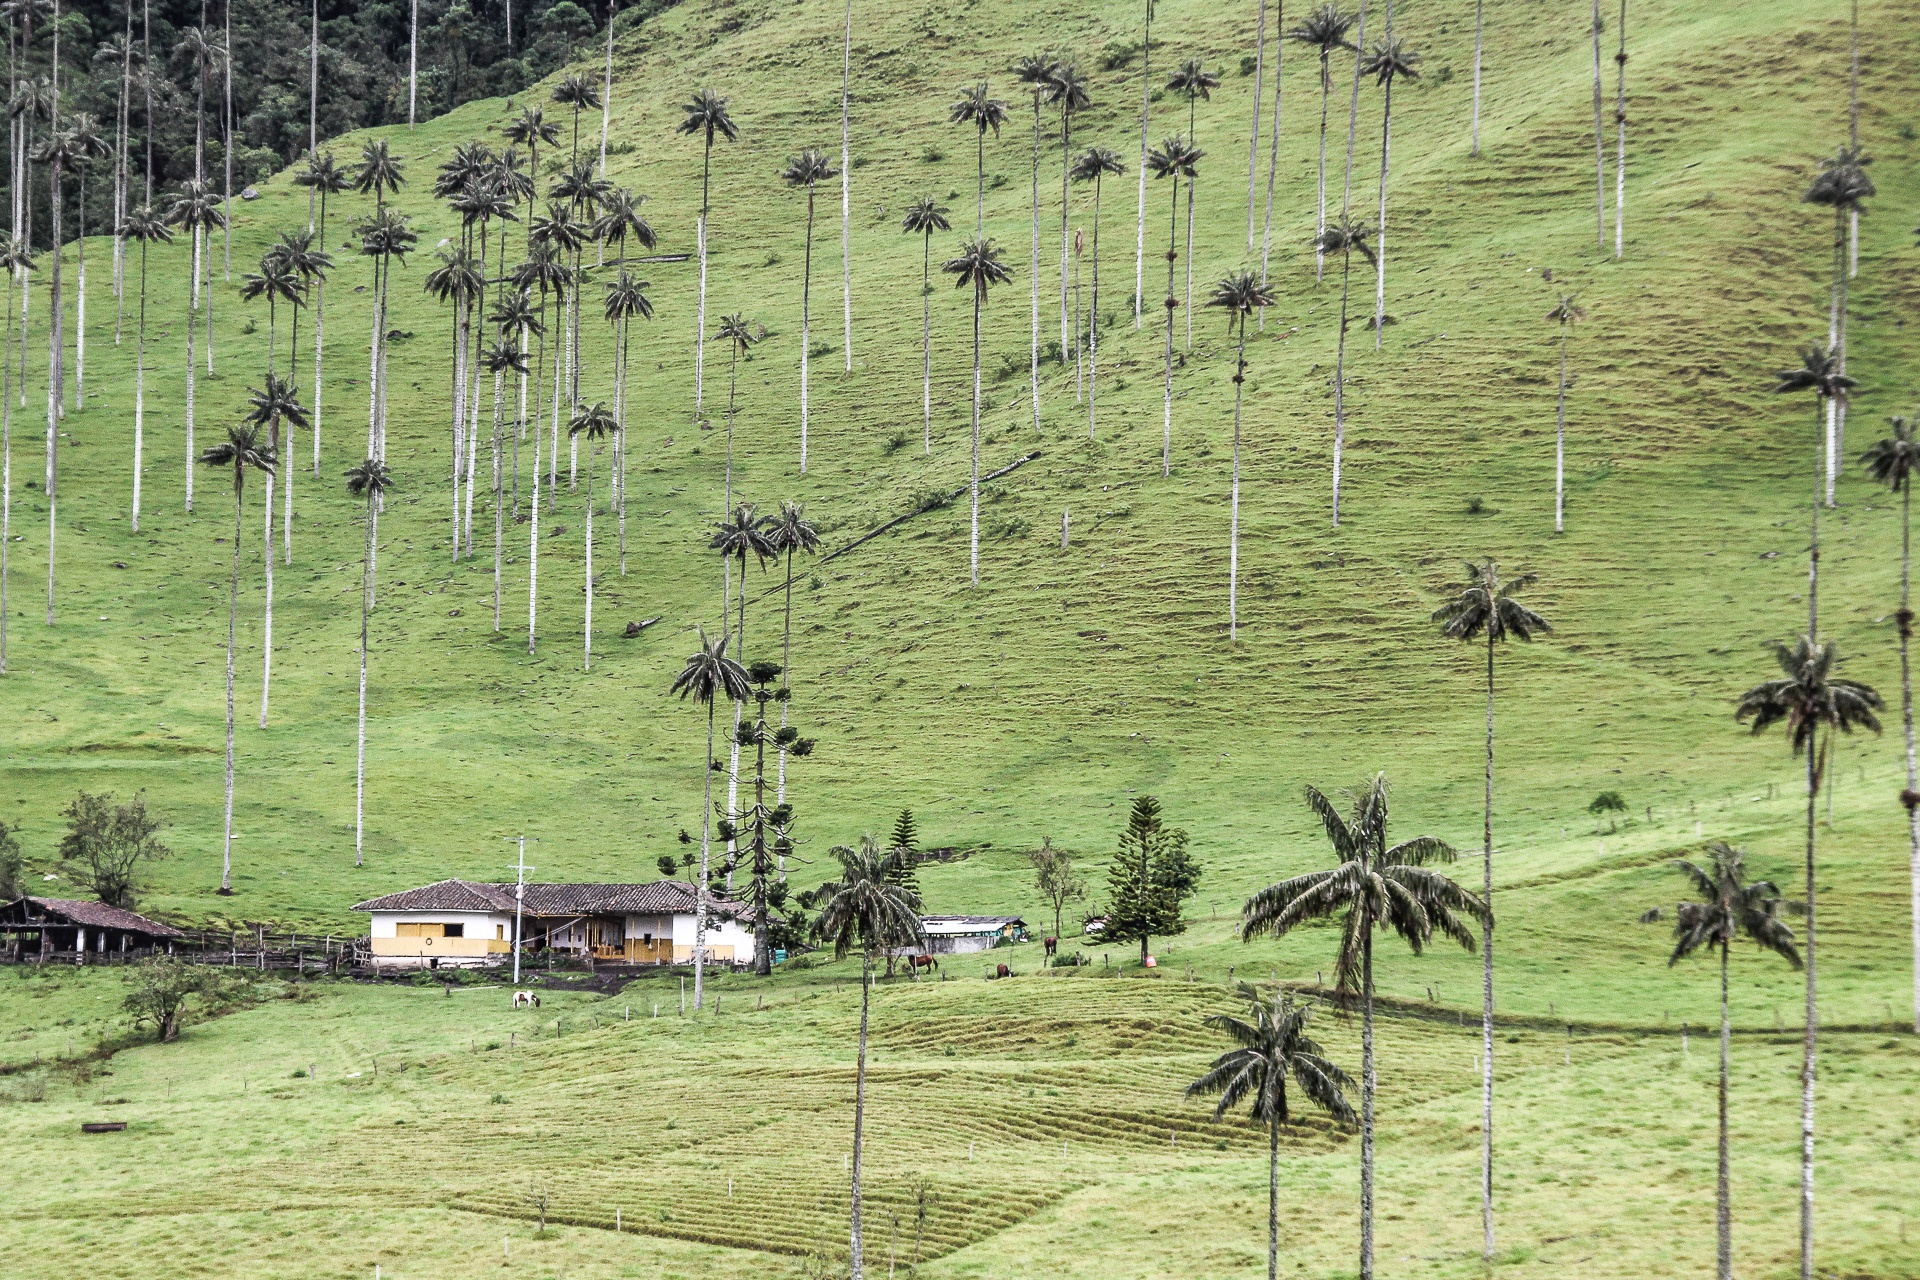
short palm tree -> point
(1389, 61)
(1241, 295)
(381, 173)
(868, 911)
(1174, 158)
(979, 108)
(1564, 314)
(322, 177)
(924, 217)
(277, 283)
(1893, 462)
(243, 450)
(1729, 909)
(580, 93)
(272, 405)
(1094, 164)
(1393, 889)
(709, 676)
(1346, 238)
(594, 422)
(978, 267)
(1036, 71)
(790, 533)
(1067, 90)
(1194, 81)
(368, 480)
(1822, 372)
(808, 169)
(706, 114)
(741, 534)
(145, 228)
(1273, 1047)
(1813, 704)
(1486, 607)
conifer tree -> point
(1151, 874)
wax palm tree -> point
(1822, 373)
(272, 405)
(1374, 887)
(924, 217)
(808, 169)
(1486, 607)
(58, 152)
(368, 480)
(790, 533)
(203, 54)
(458, 282)
(1094, 164)
(503, 357)
(739, 333)
(381, 173)
(277, 283)
(1729, 909)
(385, 239)
(1067, 90)
(1893, 462)
(1036, 71)
(144, 227)
(580, 93)
(596, 422)
(88, 146)
(322, 177)
(1174, 158)
(706, 114)
(242, 450)
(1146, 109)
(1478, 13)
(1195, 82)
(1273, 1047)
(626, 298)
(1241, 295)
(983, 111)
(1564, 314)
(741, 534)
(560, 233)
(865, 910)
(1814, 704)
(1346, 238)
(979, 268)
(1844, 187)
(1389, 61)
(709, 677)
(300, 252)
(195, 209)
(16, 262)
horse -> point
(526, 999)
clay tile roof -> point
(97, 915)
(446, 895)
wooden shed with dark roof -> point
(74, 928)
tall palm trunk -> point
(139, 385)
(1273, 1198)
(266, 548)
(413, 60)
(806, 339)
(786, 678)
(1146, 109)
(226, 155)
(979, 180)
(1723, 1202)
(120, 179)
(700, 319)
(1233, 540)
(1366, 1103)
(846, 192)
(1340, 382)
(233, 611)
(586, 659)
(1812, 1035)
(499, 499)
(620, 438)
(1620, 126)
(1486, 985)
(1273, 153)
(6, 485)
(319, 339)
(533, 538)
(1173, 237)
(80, 301)
(1034, 334)
(1478, 6)
(1320, 225)
(56, 382)
(1253, 131)
(1380, 232)
(1837, 342)
(1599, 137)
(1353, 107)
(1093, 313)
(860, 1109)
(286, 517)
(1912, 796)
(360, 740)
(1066, 166)
(1560, 442)
(700, 889)
(973, 477)
(926, 349)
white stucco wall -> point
(479, 924)
(720, 933)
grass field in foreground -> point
(1041, 1117)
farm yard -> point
(1143, 640)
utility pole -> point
(519, 891)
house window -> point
(420, 929)
(454, 930)
(500, 933)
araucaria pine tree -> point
(1150, 876)
(1485, 606)
(766, 828)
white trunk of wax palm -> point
(226, 153)
(1353, 108)
(1560, 442)
(413, 60)
(1066, 166)
(319, 343)
(1093, 313)
(193, 316)
(1812, 1034)
(1188, 265)
(1380, 232)
(586, 630)
(139, 391)
(233, 608)
(606, 100)
(533, 545)
(80, 309)
(6, 487)
(1253, 132)
(973, 480)
(700, 346)
(700, 888)
(1366, 1107)
(473, 436)
(266, 639)
(1273, 170)
(1478, 5)
(1140, 226)
(1034, 333)
(499, 508)
(457, 403)
(1340, 381)
(1723, 1199)
(1166, 441)
(926, 360)
(1233, 539)
(1486, 985)
(360, 741)
(1599, 136)
(806, 341)
(120, 181)
(846, 188)
(860, 1112)
(1620, 125)
(1912, 798)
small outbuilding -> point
(963, 935)
(75, 929)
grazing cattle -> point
(526, 1000)
(1003, 971)
(1051, 944)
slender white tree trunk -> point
(973, 477)
(1620, 126)
(1478, 5)
(1723, 1197)
(700, 888)
(1034, 333)
(1166, 426)
(1340, 381)
(1146, 109)
(193, 316)
(1253, 132)
(855, 1270)
(1380, 232)
(1093, 313)
(586, 631)
(606, 96)
(1560, 442)
(533, 545)
(846, 189)
(6, 507)
(1912, 797)
(1366, 1107)
(926, 366)
(1812, 1036)
(233, 610)
(139, 390)
(806, 339)
(1233, 538)
(413, 60)
(360, 741)
(266, 638)
(1599, 136)
(1273, 166)
(1486, 986)
(319, 344)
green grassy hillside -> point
(1068, 681)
